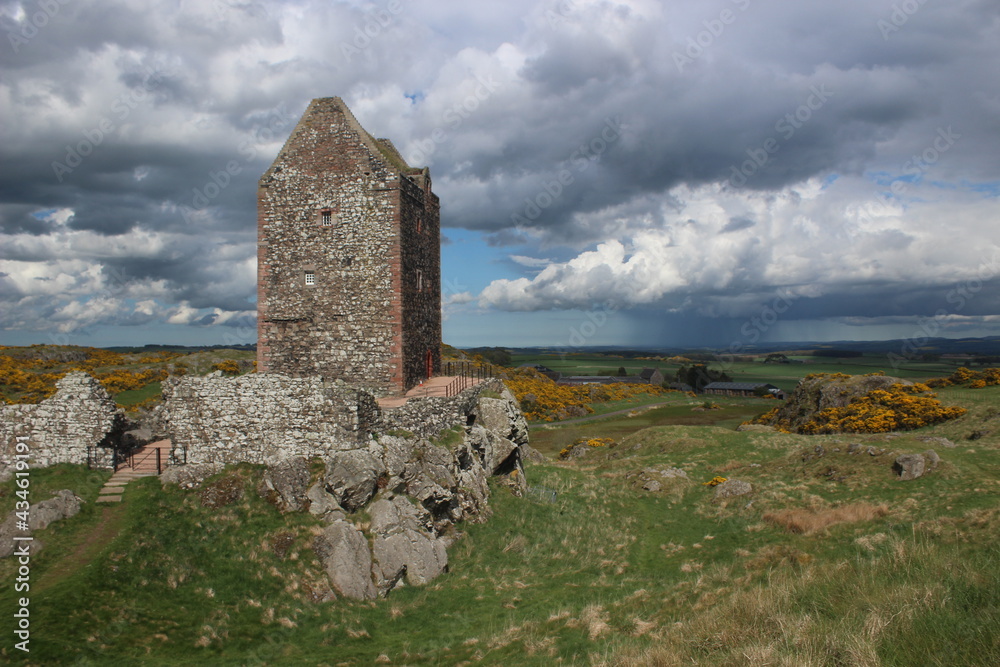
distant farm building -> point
(646, 376)
(651, 376)
(743, 389)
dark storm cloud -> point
(579, 125)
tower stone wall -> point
(349, 274)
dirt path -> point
(108, 526)
(580, 420)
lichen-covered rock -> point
(932, 459)
(909, 466)
(418, 555)
(731, 488)
(343, 551)
(63, 505)
(189, 476)
(396, 451)
(352, 477)
(403, 544)
(503, 417)
(285, 484)
(323, 504)
(494, 450)
(430, 475)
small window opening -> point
(420, 224)
(326, 217)
(420, 280)
(310, 278)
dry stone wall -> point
(60, 429)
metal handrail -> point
(466, 374)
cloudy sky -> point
(611, 171)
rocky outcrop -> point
(40, 515)
(404, 544)
(352, 477)
(817, 393)
(912, 466)
(286, 483)
(344, 552)
(732, 488)
(190, 476)
(413, 485)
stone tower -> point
(348, 258)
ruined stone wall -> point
(350, 322)
(427, 417)
(61, 428)
(263, 418)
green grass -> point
(135, 396)
(682, 410)
(638, 401)
(609, 573)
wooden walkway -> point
(435, 386)
(142, 463)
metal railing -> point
(466, 375)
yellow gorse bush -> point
(589, 442)
(23, 378)
(541, 399)
(898, 408)
(228, 367)
(989, 377)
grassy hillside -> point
(830, 561)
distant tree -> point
(699, 375)
(622, 372)
(776, 358)
(837, 354)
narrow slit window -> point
(420, 280)
(420, 224)
(326, 218)
(310, 278)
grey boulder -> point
(343, 550)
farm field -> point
(784, 376)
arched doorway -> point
(430, 363)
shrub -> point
(898, 408)
(227, 366)
(541, 399)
